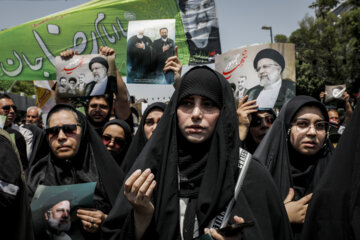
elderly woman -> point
(185, 176)
(77, 156)
(296, 151)
(116, 136)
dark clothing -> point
(21, 146)
(162, 56)
(138, 59)
(167, 155)
(111, 86)
(287, 92)
(288, 167)
(92, 163)
(334, 212)
(139, 140)
(16, 220)
(208, 53)
(40, 146)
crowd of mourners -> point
(173, 174)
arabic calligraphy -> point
(238, 61)
(79, 42)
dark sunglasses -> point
(7, 107)
(256, 121)
(118, 142)
(66, 128)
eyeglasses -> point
(304, 125)
(7, 107)
(66, 128)
(118, 142)
(256, 121)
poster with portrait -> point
(54, 210)
(202, 30)
(85, 75)
(334, 92)
(149, 44)
(263, 72)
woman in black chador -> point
(334, 211)
(149, 120)
(77, 155)
(296, 151)
(185, 176)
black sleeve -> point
(21, 146)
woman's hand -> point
(91, 219)
(173, 64)
(296, 210)
(217, 236)
(244, 111)
(138, 190)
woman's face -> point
(66, 142)
(308, 130)
(197, 117)
(113, 138)
(151, 121)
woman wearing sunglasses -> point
(296, 151)
(116, 136)
(254, 123)
(77, 155)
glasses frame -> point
(310, 124)
(54, 131)
(118, 142)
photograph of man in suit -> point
(273, 91)
(163, 48)
(99, 68)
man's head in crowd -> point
(99, 110)
(99, 67)
(8, 109)
(334, 116)
(269, 64)
(164, 33)
(72, 82)
(260, 124)
(33, 115)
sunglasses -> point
(7, 107)
(118, 142)
(256, 121)
(66, 128)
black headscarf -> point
(334, 211)
(139, 140)
(162, 155)
(16, 221)
(92, 163)
(40, 146)
(128, 137)
(276, 153)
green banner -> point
(28, 51)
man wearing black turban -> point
(101, 84)
(273, 91)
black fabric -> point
(290, 169)
(334, 211)
(272, 54)
(100, 60)
(40, 146)
(259, 201)
(128, 137)
(21, 146)
(203, 84)
(139, 139)
(16, 220)
(92, 163)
